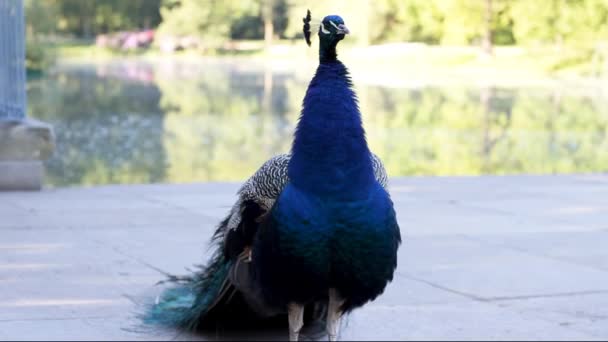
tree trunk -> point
(364, 36)
(267, 14)
(267, 97)
(86, 20)
(487, 44)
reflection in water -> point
(133, 122)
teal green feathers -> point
(187, 303)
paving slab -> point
(487, 272)
(583, 313)
(464, 321)
(489, 257)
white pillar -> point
(12, 60)
(24, 143)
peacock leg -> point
(334, 313)
(296, 320)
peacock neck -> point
(327, 51)
(330, 154)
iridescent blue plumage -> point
(333, 226)
(329, 153)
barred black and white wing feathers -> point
(255, 198)
(379, 171)
(262, 188)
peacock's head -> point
(332, 29)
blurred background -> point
(146, 91)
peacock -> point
(313, 234)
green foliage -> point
(87, 18)
(417, 20)
(206, 19)
(41, 16)
(578, 22)
(247, 27)
(38, 55)
(572, 31)
(571, 22)
(429, 21)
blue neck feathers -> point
(329, 154)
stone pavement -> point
(514, 257)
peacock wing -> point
(255, 198)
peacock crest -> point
(306, 28)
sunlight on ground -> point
(59, 302)
(32, 248)
(578, 210)
(34, 267)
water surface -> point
(137, 122)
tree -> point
(537, 21)
(267, 15)
(40, 17)
(416, 20)
(487, 41)
(576, 22)
(206, 19)
(474, 21)
(84, 19)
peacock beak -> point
(342, 29)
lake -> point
(131, 121)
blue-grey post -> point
(24, 142)
(13, 100)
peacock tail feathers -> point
(187, 302)
(191, 299)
